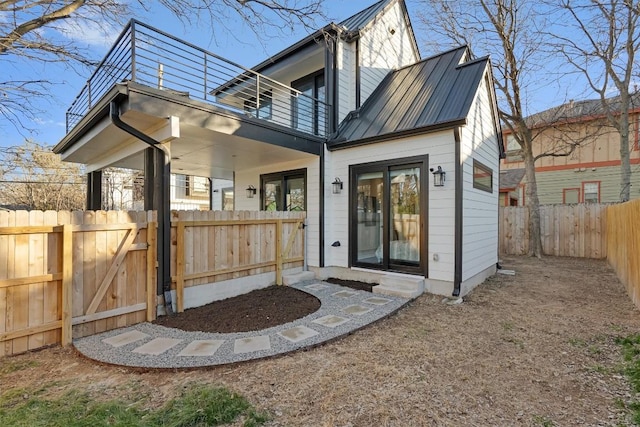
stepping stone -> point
(317, 287)
(344, 294)
(331, 321)
(298, 333)
(125, 338)
(377, 301)
(251, 344)
(356, 309)
(201, 348)
(157, 346)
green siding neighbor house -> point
(590, 170)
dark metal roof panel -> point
(434, 91)
(362, 18)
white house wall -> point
(346, 64)
(440, 148)
(480, 208)
(244, 178)
(381, 51)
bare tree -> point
(506, 29)
(32, 177)
(37, 31)
(605, 37)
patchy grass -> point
(14, 366)
(196, 406)
(631, 352)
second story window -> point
(591, 192)
(514, 151)
(309, 116)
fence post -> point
(279, 252)
(180, 266)
(67, 280)
(151, 268)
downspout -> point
(457, 275)
(164, 208)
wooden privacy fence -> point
(75, 274)
(65, 274)
(623, 235)
(566, 230)
(213, 246)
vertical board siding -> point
(623, 242)
(566, 230)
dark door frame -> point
(385, 166)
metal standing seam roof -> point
(435, 91)
(362, 18)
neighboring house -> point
(511, 189)
(591, 172)
(395, 159)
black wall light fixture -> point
(337, 186)
(438, 176)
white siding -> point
(346, 63)
(480, 208)
(381, 51)
(244, 178)
(441, 150)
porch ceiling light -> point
(251, 191)
(438, 176)
(337, 186)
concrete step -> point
(292, 279)
(405, 287)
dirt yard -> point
(536, 348)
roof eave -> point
(451, 124)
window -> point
(514, 151)
(387, 214)
(197, 186)
(570, 196)
(309, 115)
(227, 199)
(263, 110)
(482, 177)
(591, 192)
(284, 191)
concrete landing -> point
(404, 287)
(292, 279)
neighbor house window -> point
(482, 177)
(284, 191)
(197, 186)
(262, 110)
(591, 192)
(227, 199)
(570, 196)
(514, 151)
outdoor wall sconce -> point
(337, 186)
(438, 176)
(251, 191)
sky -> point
(240, 45)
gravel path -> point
(343, 311)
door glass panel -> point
(272, 195)
(370, 190)
(295, 194)
(404, 218)
(303, 108)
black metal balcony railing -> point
(150, 57)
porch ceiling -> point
(204, 140)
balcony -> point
(156, 60)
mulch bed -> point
(253, 311)
(256, 310)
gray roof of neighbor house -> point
(510, 179)
(353, 24)
(579, 109)
(435, 92)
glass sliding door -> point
(369, 217)
(388, 210)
